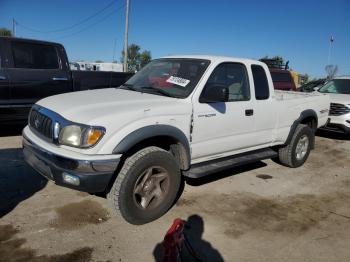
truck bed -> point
(291, 95)
(85, 80)
(289, 104)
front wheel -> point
(297, 151)
(146, 186)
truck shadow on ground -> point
(11, 129)
(18, 181)
(196, 249)
(223, 174)
(332, 135)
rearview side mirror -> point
(214, 94)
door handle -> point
(249, 112)
(59, 78)
(2, 78)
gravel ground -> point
(259, 212)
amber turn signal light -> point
(93, 136)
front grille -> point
(338, 109)
(41, 123)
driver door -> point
(223, 127)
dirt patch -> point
(264, 176)
(11, 250)
(346, 183)
(83, 194)
(6, 232)
(42, 211)
(328, 155)
(79, 214)
(185, 202)
(79, 255)
(244, 213)
(292, 215)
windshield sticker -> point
(178, 81)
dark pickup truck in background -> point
(31, 70)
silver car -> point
(339, 114)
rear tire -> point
(297, 151)
(146, 186)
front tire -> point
(297, 151)
(146, 186)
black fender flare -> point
(152, 131)
(305, 114)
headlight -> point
(80, 135)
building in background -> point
(93, 66)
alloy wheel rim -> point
(302, 147)
(151, 187)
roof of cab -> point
(10, 38)
(218, 59)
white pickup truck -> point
(179, 116)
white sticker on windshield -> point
(178, 81)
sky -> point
(90, 30)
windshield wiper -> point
(159, 91)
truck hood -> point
(96, 107)
(340, 98)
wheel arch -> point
(164, 136)
(307, 117)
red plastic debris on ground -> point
(172, 241)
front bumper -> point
(339, 124)
(339, 128)
(93, 175)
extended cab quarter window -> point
(34, 56)
(261, 85)
(234, 77)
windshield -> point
(336, 86)
(174, 77)
(312, 85)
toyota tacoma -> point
(178, 116)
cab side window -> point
(234, 77)
(262, 91)
(34, 56)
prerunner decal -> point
(178, 81)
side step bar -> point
(213, 166)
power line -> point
(91, 25)
(68, 27)
(88, 27)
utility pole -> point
(13, 27)
(331, 40)
(126, 37)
